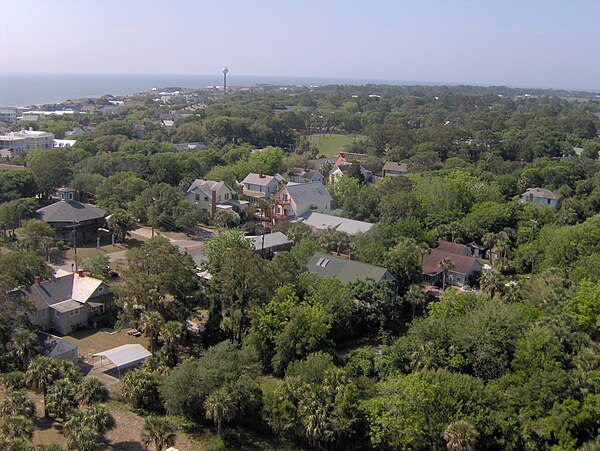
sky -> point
(527, 43)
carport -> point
(123, 356)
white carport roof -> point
(126, 355)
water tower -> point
(224, 70)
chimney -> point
(261, 175)
(213, 206)
(80, 273)
(38, 280)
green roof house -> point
(347, 271)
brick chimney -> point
(38, 280)
(213, 204)
(261, 175)
(80, 273)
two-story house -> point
(259, 186)
(464, 268)
(296, 199)
(69, 301)
(541, 196)
(71, 219)
(305, 175)
(206, 195)
(393, 169)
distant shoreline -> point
(18, 90)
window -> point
(57, 313)
(197, 196)
(226, 196)
(75, 312)
(205, 199)
(100, 289)
(219, 198)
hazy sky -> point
(550, 43)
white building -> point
(299, 198)
(38, 114)
(260, 186)
(206, 195)
(8, 115)
(26, 140)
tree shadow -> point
(129, 445)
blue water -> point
(21, 89)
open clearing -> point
(331, 144)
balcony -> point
(283, 200)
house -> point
(466, 267)
(26, 140)
(58, 347)
(69, 301)
(168, 124)
(270, 243)
(71, 219)
(304, 175)
(320, 162)
(453, 248)
(541, 196)
(259, 186)
(296, 199)
(393, 169)
(321, 221)
(342, 168)
(207, 195)
(347, 271)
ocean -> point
(23, 89)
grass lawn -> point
(89, 249)
(331, 144)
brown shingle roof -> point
(462, 263)
(453, 248)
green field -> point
(330, 144)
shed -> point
(123, 356)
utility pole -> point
(74, 232)
(153, 214)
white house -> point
(541, 196)
(296, 199)
(305, 175)
(206, 195)
(342, 168)
(260, 186)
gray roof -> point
(319, 162)
(68, 287)
(69, 211)
(206, 186)
(542, 193)
(270, 240)
(125, 355)
(346, 271)
(255, 179)
(321, 221)
(393, 166)
(307, 193)
(304, 172)
(55, 346)
(66, 306)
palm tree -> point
(151, 323)
(24, 345)
(17, 427)
(415, 297)
(171, 334)
(158, 431)
(16, 403)
(41, 374)
(61, 398)
(445, 265)
(424, 249)
(84, 438)
(489, 241)
(220, 406)
(95, 416)
(502, 245)
(91, 390)
(491, 282)
(460, 436)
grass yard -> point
(331, 144)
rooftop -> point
(346, 271)
(206, 186)
(268, 240)
(462, 263)
(542, 193)
(258, 179)
(307, 193)
(69, 211)
(321, 221)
